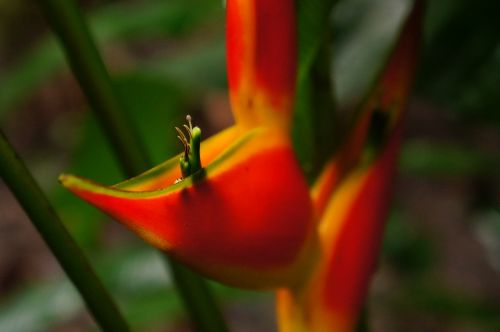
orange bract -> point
(352, 198)
(248, 218)
(235, 222)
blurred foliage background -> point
(440, 264)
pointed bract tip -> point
(65, 179)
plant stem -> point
(196, 296)
(90, 71)
(362, 325)
(68, 23)
(73, 261)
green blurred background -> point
(440, 264)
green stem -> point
(362, 325)
(30, 196)
(90, 71)
(195, 294)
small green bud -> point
(194, 152)
(185, 169)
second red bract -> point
(249, 218)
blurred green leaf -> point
(153, 18)
(312, 16)
(31, 71)
(462, 56)
(364, 34)
(136, 276)
(314, 116)
(429, 158)
(405, 248)
(156, 104)
(445, 303)
(110, 24)
(193, 69)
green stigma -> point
(190, 161)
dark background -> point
(440, 264)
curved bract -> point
(350, 233)
(351, 196)
(246, 218)
(233, 221)
(261, 53)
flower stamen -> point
(190, 162)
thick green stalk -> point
(73, 261)
(90, 71)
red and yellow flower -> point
(249, 218)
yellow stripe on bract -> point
(165, 174)
(154, 178)
(253, 142)
(78, 184)
(150, 237)
(298, 310)
(338, 207)
(294, 314)
(324, 186)
(319, 187)
(243, 98)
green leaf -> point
(114, 23)
(315, 107)
(194, 69)
(365, 31)
(460, 56)
(431, 159)
(313, 18)
(136, 275)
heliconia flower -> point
(246, 215)
(246, 218)
(351, 196)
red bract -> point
(248, 217)
(352, 196)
